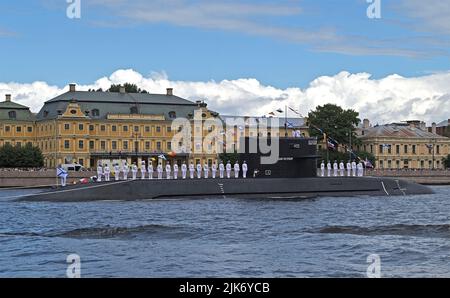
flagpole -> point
(285, 121)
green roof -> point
(22, 113)
(117, 103)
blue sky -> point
(281, 43)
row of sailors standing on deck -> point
(353, 169)
(104, 172)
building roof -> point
(400, 131)
(117, 103)
(444, 123)
(22, 113)
(273, 121)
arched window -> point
(95, 112)
(12, 114)
(172, 115)
(133, 110)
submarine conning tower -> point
(297, 157)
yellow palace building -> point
(86, 127)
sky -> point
(242, 57)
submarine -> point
(293, 176)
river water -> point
(224, 237)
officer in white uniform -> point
(150, 170)
(143, 170)
(125, 170)
(221, 169)
(107, 171)
(116, 172)
(183, 170)
(134, 170)
(236, 170)
(228, 168)
(335, 168)
(349, 169)
(175, 171)
(99, 172)
(322, 169)
(159, 169)
(360, 169)
(168, 170)
(206, 170)
(342, 168)
(199, 170)
(191, 170)
(213, 170)
(329, 169)
(354, 168)
(244, 169)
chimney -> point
(433, 128)
(366, 123)
(122, 89)
(8, 97)
(169, 91)
(72, 87)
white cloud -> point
(393, 98)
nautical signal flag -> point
(272, 113)
(368, 164)
(331, 145)
(162, 157)
(294, 110)
(280, 111)
(172, 154)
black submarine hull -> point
(268, 188)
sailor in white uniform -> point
(353, 168)
(349, 169)
(143, 170)
(244, 169)
(335, 168)
(168, 170)
(213, 170)
(191, 170)
(116, 172)
(360, 169)
(206, 170)
(125, 170)
(107, 172)
(150, 170)
(329, 169)
(99, 172)
(322, 169)
(221, 169)
(341, 168)
(199, 171)
(228, 168)
(236, 170)
(134, 170)
(183, 170)
(175, 171)
(159, 169)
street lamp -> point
(136, 136)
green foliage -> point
(335, 122)
(232, 157)
(21, 157)
(446, 161)
(129, 88)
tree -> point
(336, 122)
(129, 88)
(232, 157)
(21, 157)
(446, 161)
